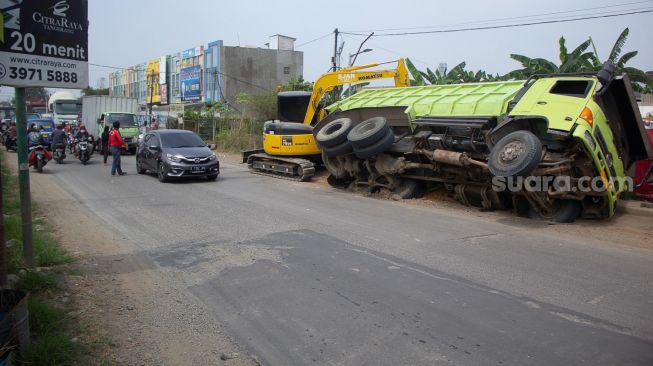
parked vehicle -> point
(100, 111)
(84, 149)
(176, 154)
(10, 143)
(63, 107)
(476, 139)
(59, 153)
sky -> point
(126, 32)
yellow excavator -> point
(289, 148)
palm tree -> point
(639, 79)
(581, 60)
(456, 75)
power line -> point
(539, 15)
(505, 25)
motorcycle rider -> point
(10, 136)
(81, 134)
(58, 138)
(34, 137)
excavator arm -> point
(353, 75)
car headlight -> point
(175, 158)
(212, 157)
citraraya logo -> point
(9, 16)
(60, 8)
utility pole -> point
(334, 63)
(3, 243)
(150, 77)
(215, 78)
(23, 177)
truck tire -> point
(342, 149)
(564, 211)
(410, 188)
(515, 155)
(368, 132)
(334, 133)
(378, 147)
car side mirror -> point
(154, 147)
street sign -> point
(44, 43)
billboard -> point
(191, 85)
(152, 80)
(44, 43)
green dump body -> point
(456, 100)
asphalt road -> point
(301, 273)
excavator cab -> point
(292, 105)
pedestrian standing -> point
(105, 143)
(116, 144)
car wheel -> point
(342, 149)
(368, 132)
(565, 211)
(334, 133)
(212, 177)
(515, 155)
(139, 166)
(376, 148)
(161, 173)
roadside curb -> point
(639, 208)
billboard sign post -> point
(43, 43)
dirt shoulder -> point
(135, 311)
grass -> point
(238, 136)
(53, 346)
(52, 330)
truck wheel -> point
(562, 211)
(378, 147)
(410, 188)
(342, 149)
(333, 133)
(368, 132)
(516, 154)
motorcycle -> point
(59, 153)
(10, 143)
(83, 150)
(38, 157)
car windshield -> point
(70, 107)
(175, 140)
(126, 119)
(44, 124)
(31, 116)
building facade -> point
(212, 72)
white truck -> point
(103, 110)
(63, 106)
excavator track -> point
(295, 169)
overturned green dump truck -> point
(553, 146)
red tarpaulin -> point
(641, 167)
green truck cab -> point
(129, 129)
(555, 147)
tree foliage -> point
(261, 106)
(583, 60)
(95, 91)
(297, 85)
